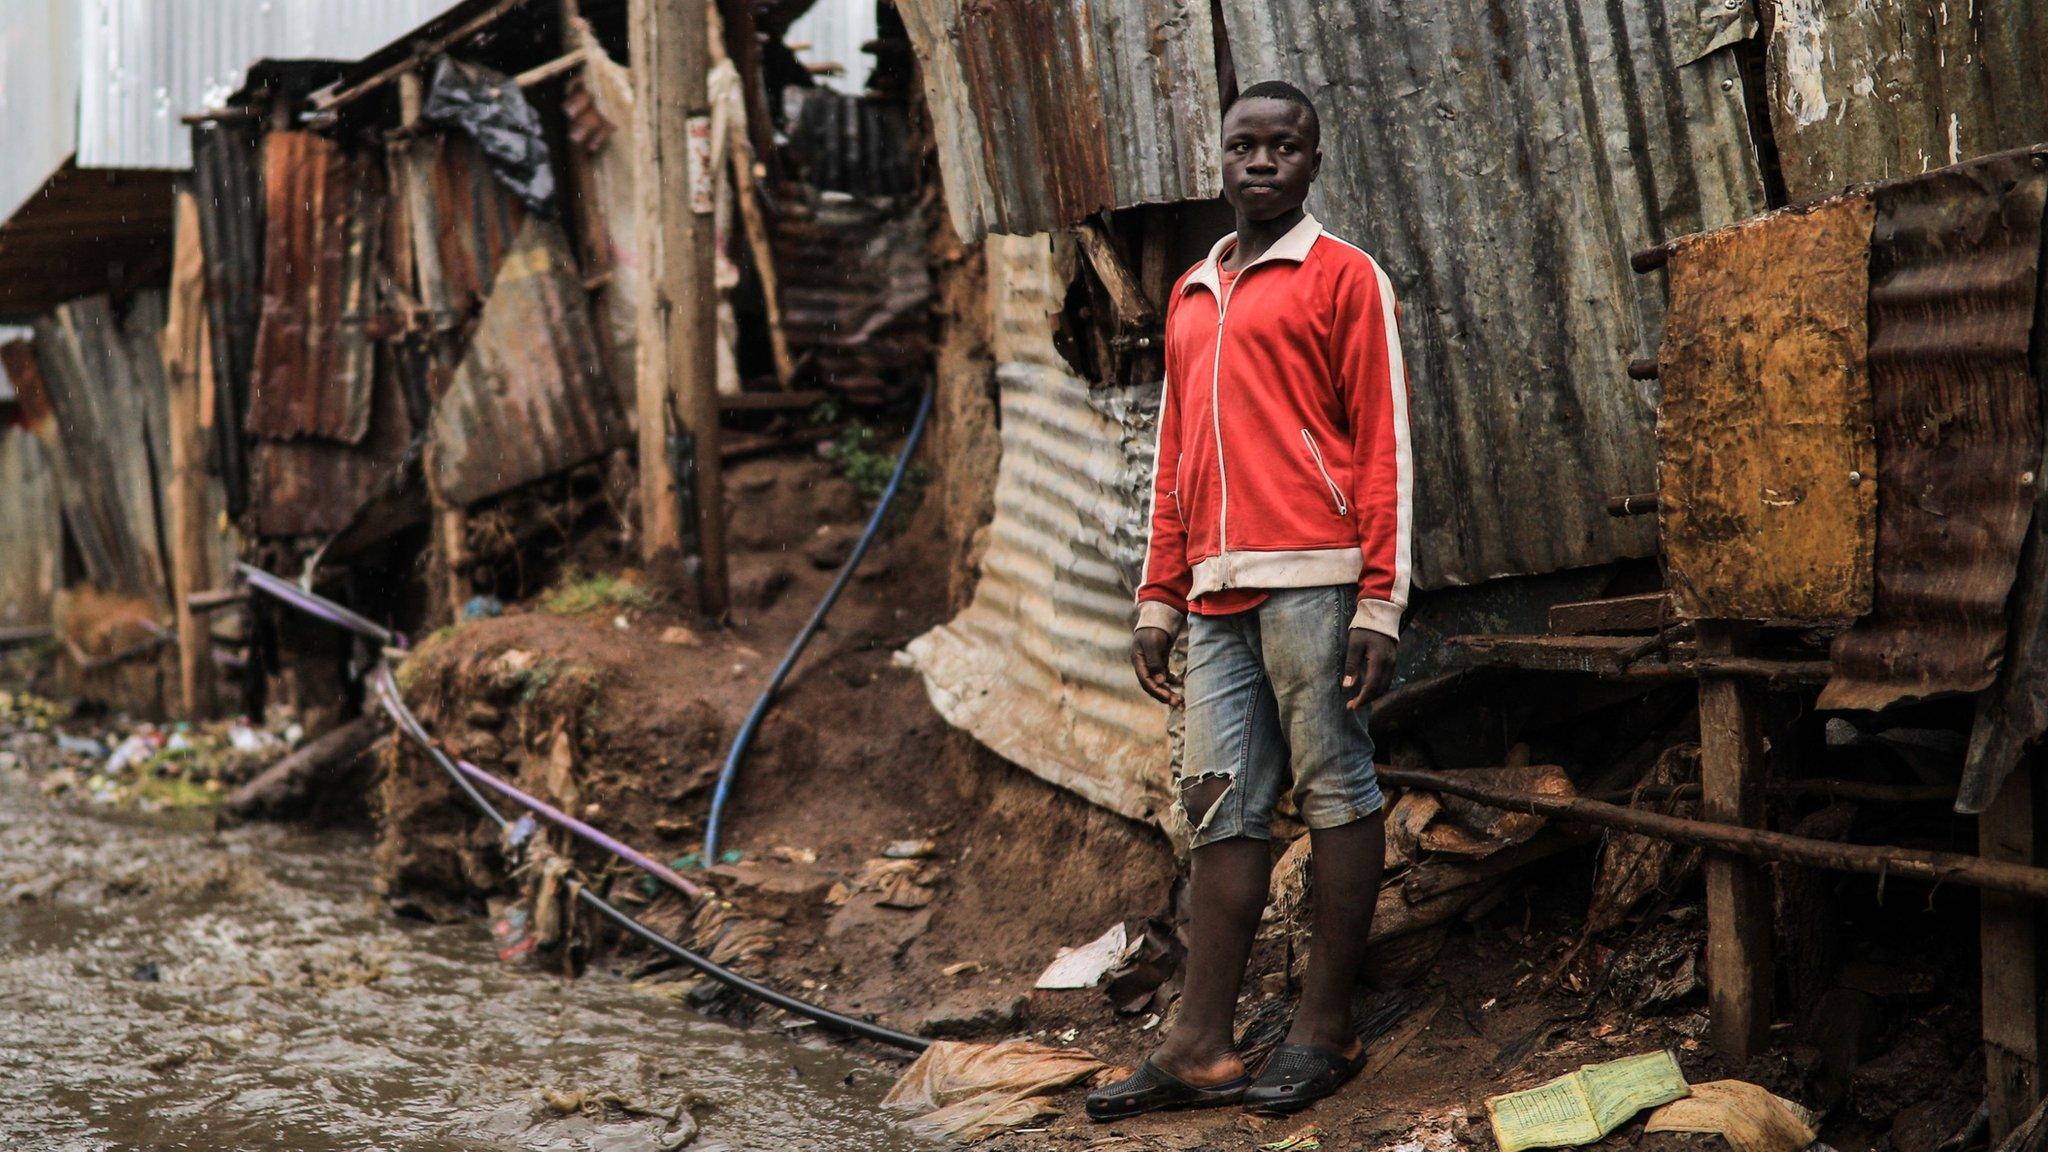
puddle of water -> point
(168, 988)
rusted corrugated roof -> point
(314, 360)
(1955, 257)
(1502, 162)
(1037, 667)
(1871, 91)
(1048, 111)
(530, 398)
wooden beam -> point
(678, 377)
(427, 50)
(2015, 1047)
(1646, 612)
(187, 357)
(567, 62)
(1732, 774)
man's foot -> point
(1297, 1076)
(1152, 1089)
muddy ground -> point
(615, 713)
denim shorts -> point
(1265, 702)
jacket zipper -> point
(1336, 493)
(1216, 421)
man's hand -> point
(1149, 648)
(1375, 652)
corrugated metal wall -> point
(1117, 107)
(1502, 162)
(38, 94)
(1874, 89)
(1036, 667)
(145, 63)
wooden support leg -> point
(1738, 892)
(2015, 1048)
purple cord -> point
(563, 820)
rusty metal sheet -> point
(323, 218)
(1955, 257)
(470, 219)
(1502, 161)
(1866, 90)
(530, 398)
(300, 488)
(1037, 667)
(1046, 112)
(31, 531)
(1767, 492)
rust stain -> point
(317, 487)
(530, 398)
(314, 359)
(1768, 493)
(1955, 259)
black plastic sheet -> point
(491, 109)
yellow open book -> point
(1581, 1107)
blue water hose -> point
(723, 791)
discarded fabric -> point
(1748, 1116)
(972, 1091)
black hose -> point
(723, 791)
(394, 704)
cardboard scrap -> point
(1584, 1106)
(972, 1091)
(1083, 967)
(1750, 1117)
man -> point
(1280, 535)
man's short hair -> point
(1282, 90)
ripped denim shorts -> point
(1265, 703)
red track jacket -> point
(1283, 455)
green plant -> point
(576, 594)
(535, 680)
(868, 468)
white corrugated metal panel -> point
(38, 94)
(1038, 666)
(145, 63)
(832, 33)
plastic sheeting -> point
(493, 111)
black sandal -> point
(1151, 1089)
(1297, 1076)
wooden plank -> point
(1645, 612)
(2015, 1048)
(1767, 503)
(186, 351)
(1738, 894)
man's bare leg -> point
(1348, 860)
(1227, 891)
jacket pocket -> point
(1336, 493)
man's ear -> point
(1316, 166)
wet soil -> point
(168, 987)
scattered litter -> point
(482, 608)
(243, 738)
(1297, 1141)
(910, 849)
(1584, 1106)
(789, 855)
(81, 746)
(681, 637)
(622, 624)
(963, 968)
(1085, 966)
(1748, 1116)
(1153, 956)
(680, 1127)
(973, 1091)
(133, 751)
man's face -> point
(1270, 157)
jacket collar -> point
(1292, 247)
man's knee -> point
(1199, 797)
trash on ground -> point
(1583, 1106)
(1298, 1141)
(1152, 957)
(679, 1130)
(1083, 967)
(910, 849)
(1750, 1117)
(972, 1091)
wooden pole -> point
(187, 355)
(2024, 880)
(2015, 1049)
(678, 377)
(1738, 894)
